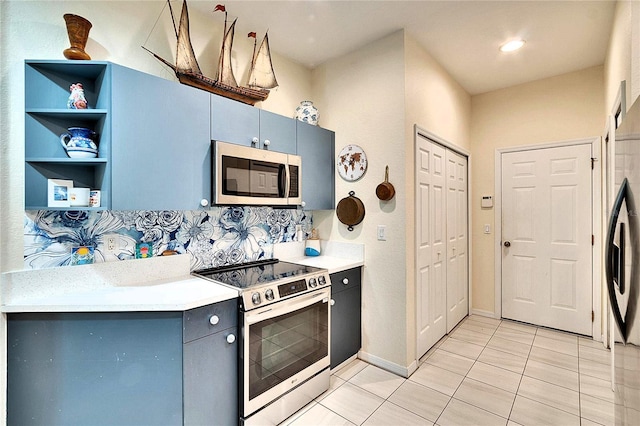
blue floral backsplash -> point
(213, 237)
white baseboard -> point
(388, 365)
(484, 313)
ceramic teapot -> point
(79, 142)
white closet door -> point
(457, 245)
(430, 243)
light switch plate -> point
(382, 233)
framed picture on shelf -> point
(58, 192)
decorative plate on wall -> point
(352, 163)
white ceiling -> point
(463, 36)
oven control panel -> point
(273, 293)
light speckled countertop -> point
(155, 284)
(335, 256)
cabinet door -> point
(211, 380)
(279, 130)
(316, 147)
(115, 368)
(161, 150)
(233, 121)
(345, 325)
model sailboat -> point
(261, 74)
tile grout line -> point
(467, 373)
(475, 361)
(522, 375)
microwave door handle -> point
(614, 258)
(287, 180)
(282, 181)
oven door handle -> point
(290, 305)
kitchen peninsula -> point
(132, 342)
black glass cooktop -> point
(247, 275)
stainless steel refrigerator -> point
(622, 265)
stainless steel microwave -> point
(243, 175)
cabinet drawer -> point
(196, 323)
(343, 280)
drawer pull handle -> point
(333, 302)
(213, 320)
(345, 281)
(231, 338)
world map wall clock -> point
(352, 163)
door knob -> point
(507, 244)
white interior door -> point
(457, 275)
(431, 243)
(546, 232)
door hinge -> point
(593, 160)
(593, 316)
(593, 240)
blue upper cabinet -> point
(242, 124)
(316, 146)
(160, 143)
(47, 85)
(154, 138)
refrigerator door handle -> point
(614, 264)
(617, 257)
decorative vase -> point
(76, 98)
(79, 143)
(78, 32)
(308, 113)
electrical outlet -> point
(112, 242)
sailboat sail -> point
(188, 71)
(261, 73)
(225, 71)
(185, 56)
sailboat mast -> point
(253, 55)
(222, 8)
(173, 19)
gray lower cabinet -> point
(210, 360)
(346, 322)
(235, 122)
(122, 368)
(316, 146)
(160, 149)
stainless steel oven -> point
(284, 345)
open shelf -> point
(47, 118)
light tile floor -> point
(485, 372)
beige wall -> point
(554, 109)
(361, 97)
(373, 98)
(617, 65)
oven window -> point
(283, 346)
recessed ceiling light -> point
(512, 45)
